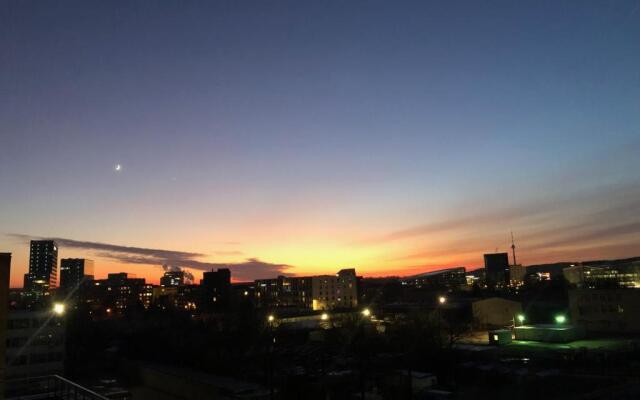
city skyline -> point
(304, 138)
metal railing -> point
(52, 387)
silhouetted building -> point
(451, 278)
(164, 296)
(43, 267)
(74, 271)
(116, 294)
(35, 344)
(496, 267)
(5, 273)
(187, 297)
(243, 292)
(184, 297)
(216, 289)
(517, 273)
(172, 278)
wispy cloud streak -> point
(249, 269)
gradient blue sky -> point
(390, 136)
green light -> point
(521, 318)
(561, 319)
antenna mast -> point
(513, 249)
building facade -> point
(35, 344)
(606, 310)
(495, 312)
(284, 291)
(334, 291)
(321, 292)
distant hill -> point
(556, 268)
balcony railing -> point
(51, 387)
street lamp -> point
(366, 312)
(58, 308)
(271, 318)
(521, 318)
(561, 319)
(442, 299)
(324, 316)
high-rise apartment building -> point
(74, 271)
(43, 266)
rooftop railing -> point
(51, 387)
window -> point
(18, 323)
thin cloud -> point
(249, 269)
(619, 202)
(228, 253)
(107, 247)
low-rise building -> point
(334, 291)
(321, 292)
(495, 312)
(606, 310)
(117, 293)
(604, 276)
(450, 278)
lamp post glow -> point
(561, 319)
(521, 318)
(442, 299)
(58, 308)
(366, 312)
(271, 318)
(324, 316)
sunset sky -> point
(302, 137)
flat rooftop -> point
(548, 327)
